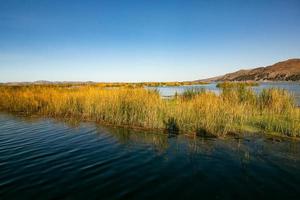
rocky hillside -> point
(288, 70)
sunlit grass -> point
(195, 111)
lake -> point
(293, 87)
(50, 159)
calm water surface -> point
(293, 87)
(47, 159)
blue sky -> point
(143, 40)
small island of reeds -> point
(235, 110)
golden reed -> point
(235, 110)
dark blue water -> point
(47, 159)
(292, 87)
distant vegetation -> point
(195, 112)
(105, 84)
(230, 85)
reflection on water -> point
(157, 141)
(47, 159)
(293, 87)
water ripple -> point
(47, 159)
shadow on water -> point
(171, 126)
(43, 158)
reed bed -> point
(234, 111)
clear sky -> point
(143, 40)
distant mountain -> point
(288, 70)
(43, 82)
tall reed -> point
(199, 112)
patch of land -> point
(104, 84)
(236, 110)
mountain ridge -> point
(288, 70)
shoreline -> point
(235, 135)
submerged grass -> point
(198, 112)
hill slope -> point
(288, 70)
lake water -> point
(293, 87)
(48, 159)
